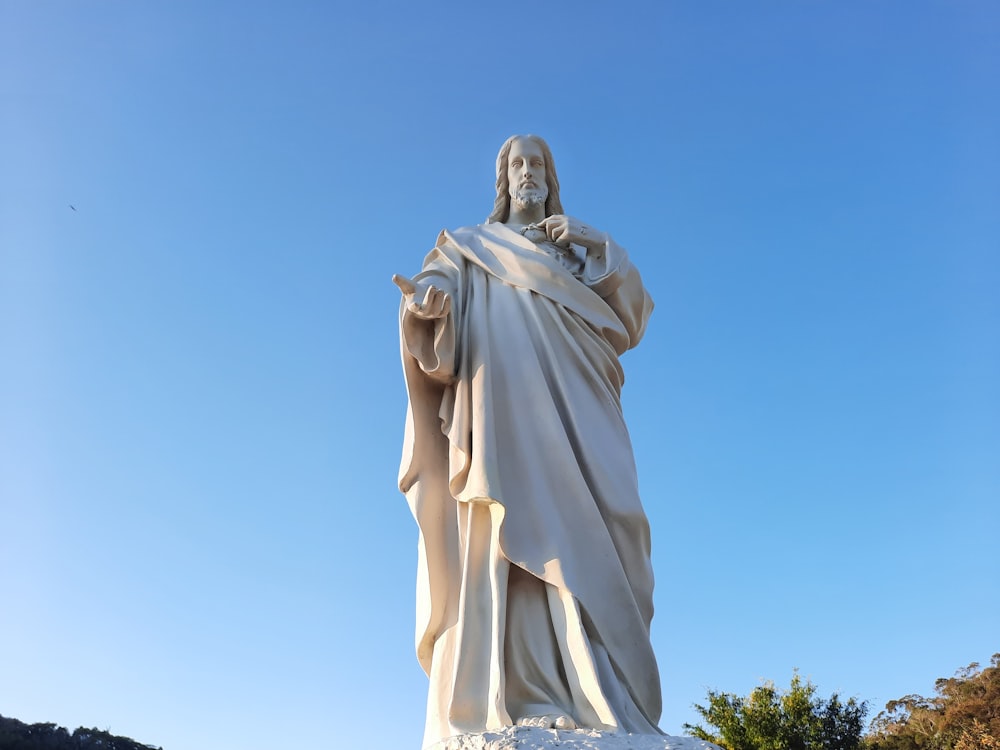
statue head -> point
(501, 207)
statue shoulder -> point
(463, 235)
(474, 230)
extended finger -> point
(445, 305)
(429, 296)
(405, 285)
(441, 301)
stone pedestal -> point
(534, 738)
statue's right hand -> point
(434, 302)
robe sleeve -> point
(611, 275)
(432, 343)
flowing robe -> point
(534, 586)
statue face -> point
(526, 173)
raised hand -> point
(434, 302)
(564, 230)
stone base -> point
(535, 738)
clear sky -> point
(201, 407)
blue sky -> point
(201, 403)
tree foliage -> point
(769, 719)
(964, 714)
(16, 735)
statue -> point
(534, 584)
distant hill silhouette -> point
(16, 735)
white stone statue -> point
(534, 589)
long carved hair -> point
(501, 207)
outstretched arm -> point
(427, 327)
(434, 302)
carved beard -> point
(528, 197)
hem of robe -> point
(468, 686)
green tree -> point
(16, 735)
(963, 715)
(769, 719)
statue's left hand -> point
(564, 230)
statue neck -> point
(528, 215)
